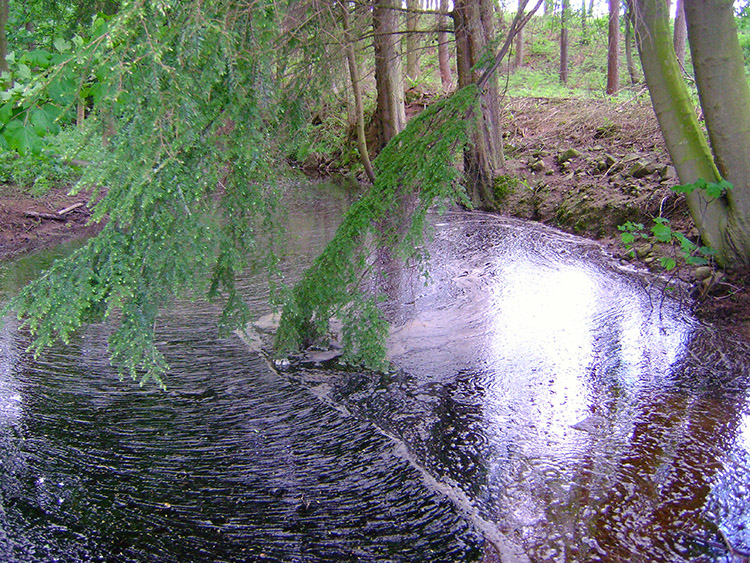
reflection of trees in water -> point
(643, 496)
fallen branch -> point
(71, 208)
(50, 216)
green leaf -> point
(37, 58)
(61, 45)
(696, 260)
(6, 113)
(717, 189)
(667, 263)
(683, 188)
(23, 138)
(627, 238)
(23, 71)
(661, 230)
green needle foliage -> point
(197, 104)
(194, 116)
(415, 171)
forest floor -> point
(585, 166)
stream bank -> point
(582, 165)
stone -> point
(702, 272)
(638, 170)
(567, 155)
(536, 166)
(668, 172)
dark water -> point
(549, 407)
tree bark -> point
(412, 40)
(679, 125)
(3, 36)
(351, 59)
(390, 113)
(725, 100)
(584, 39)
(564, 41)
(613, 48)
(518, 57)
(473, 22)
(680, 32)
(443, 53)
(629, 47)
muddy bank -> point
(585, 166)
(30, 223)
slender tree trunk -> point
(519, 43)
(679, 125)
(680, 32)
(357, 90)
(629, 47)
(3, 36)
(474, 39)
(390, 113)
(584, 39)
(725, 100)
(613, 48)
(564, 41)
(412, 40)
(443, 52)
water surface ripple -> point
(548, 404)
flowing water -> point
(548, 406)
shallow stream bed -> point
(548, 406)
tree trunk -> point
(629, 47)
(390, 113)
(725, 100)
(680, 32)
(564, 41)
(518, 57)
(351, 59)
(3, 36)
(584, 39)
(443, 53)
(474, 39)
(613, 48)
(679, 125)
(412, 40)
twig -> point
(69, 209)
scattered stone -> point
(638, 170)
(537, 166)
(668, 172)
(567, 155)
(702, 272)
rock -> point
(638, 170)
(536, 166)
(702, 272)
(567, 155)
(668, 172)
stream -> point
(548, 404)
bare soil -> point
(585, 166)
(26, 224)
(588, 166)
